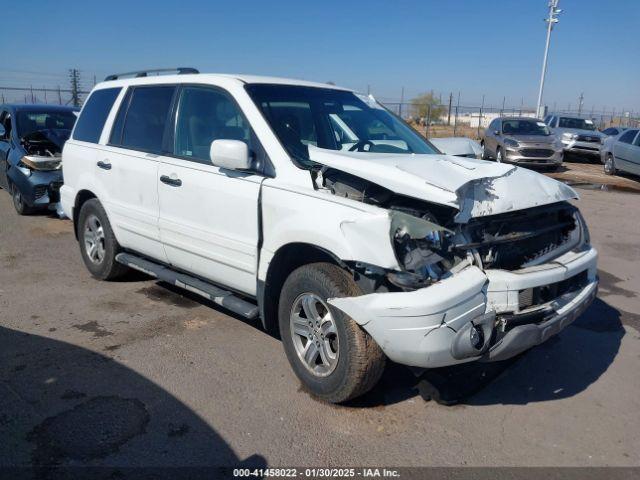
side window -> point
(628, 136)
(609, 131)
(204, 115)
(91, 122)
(547, 119)
(144, 119)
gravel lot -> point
(135, 373)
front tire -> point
(331, 355)
(499, 155)
(610, 165)
(19, 203)
(98, 244)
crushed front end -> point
(485, 290)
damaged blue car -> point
(31, 141)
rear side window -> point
(141, 121)
(91, 122)
(628, 136)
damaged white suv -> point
(317, 210)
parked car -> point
(31, 141)
(578, 135)
(521, 140)
(458, 146)
(622, 153)
(613, 131)
(357, 248)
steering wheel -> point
(359, 146)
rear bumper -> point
(431, 327)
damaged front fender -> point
(402, 322)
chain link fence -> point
(435, 120)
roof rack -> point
(144, 73)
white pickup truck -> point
(316, 209)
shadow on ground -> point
(62, 405)
(564, 366)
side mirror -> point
(231, 154)
(496, 133)
(3, 132)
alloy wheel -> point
(314, 334)
(94, 240)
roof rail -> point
(144, 73)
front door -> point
(5, 146)
(209, 215)
(623, 151)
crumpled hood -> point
(457, 146)
(475, 187)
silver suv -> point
(578, 135)
(521, 140)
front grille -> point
(532, 297)
(593, 149)
(588, 138)
(536, 152)
(40, 191)
(510, 240)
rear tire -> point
(18, 202)
(345, 362)
(98, 244)
(610, 165)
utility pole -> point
(59, 96)
(74, 78)
(449, 115)
(480, 116)
(551, 20)
(401, 102)
(580, 102)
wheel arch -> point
(286, 259)
(81, 198)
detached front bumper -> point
(581, 148)
(431, 327)
(39, 189)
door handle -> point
(104, 165)
(174, 182)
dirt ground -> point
(135, 373)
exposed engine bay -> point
(428, 242)
(44, 148)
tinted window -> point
(333, 119)
(205, 115)
(118, 124)
(577, 123)
(29, 122)
(95, 112)
(628, 136)
(146, 118)
(524, 127)
(610, 131)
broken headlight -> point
(420, 247)
(36, 162)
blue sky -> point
(491, 47)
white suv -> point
(319, 211)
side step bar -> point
(217, 295)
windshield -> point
(577, 123)
(333, 119)
(524, 127)
(29, 122)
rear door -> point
(635, 155)
(131, 166)
(209, 215)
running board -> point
(217, 295)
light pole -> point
(553, 11)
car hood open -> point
(476, 188)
